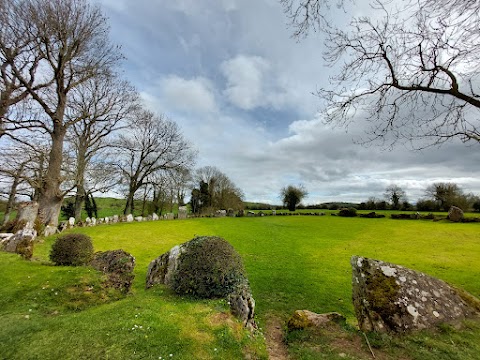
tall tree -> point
(101, 103)
(152, 144)
(71, 39)
(413, 73)
(444, 194)
(217, 190)
(292, 196)
(395, 195)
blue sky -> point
(241, 88)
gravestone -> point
(182, 212)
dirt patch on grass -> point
(275, 339)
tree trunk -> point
(51, 197)
(80, 181)
(129, 205)
(79, 201)
(13, 193)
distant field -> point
(297, 262)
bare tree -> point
(444, 194)
(153, 143)
(101, 104)
(70, 39)
(413, 73)
(216, 190)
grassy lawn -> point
(293, 263)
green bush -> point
(348, 212)
(72, 249)
(209, 267)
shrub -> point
(348, 212)
(209, 267)
(72, 249)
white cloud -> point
(245, 76)
(188, 95)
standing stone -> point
(455, 214)
(154, 217)
(139, 218)
(220, 213)
(182, 212)
(391, 298)
(94, 221)
(49, 230)
(274, 212)
(88, 221)
(21, 243)
(129, 218)
(118, 265)
(71, 222)
(106, 220)
(115, 219)
(169, 216)
(231, 213)
(240, 213)
(27, 211)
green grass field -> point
(298, 262)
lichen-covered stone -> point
(21, 243)
(242, 306)
(162, 269)
(455, 214)
(391, 298)
(302, 319)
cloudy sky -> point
(241, 88)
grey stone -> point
(21, 243)
(220, 213)
(94, 221)
(274, 212)
(129, 218)
(88, 221)
(161, 270)
(169, 216)
(49, 230)
(182, 212)
(71, 222)
(302, 319)
(139, 218)
(392, 298)
(115, 219)
(155, 217)
(242, 306)
(455, 214)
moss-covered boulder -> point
(205, 267)
(392, 298)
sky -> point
(243, 89)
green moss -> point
(208, 268)
(382, 294)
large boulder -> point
(118, 265)
(391, 298)
(455, 214)
(21, 243)
(206, 267)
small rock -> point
(302, 319)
